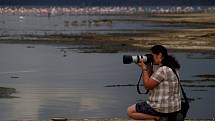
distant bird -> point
(21, 18)
(64, 52)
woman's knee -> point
(131, 109)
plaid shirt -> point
(165, 98)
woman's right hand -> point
(142, 65)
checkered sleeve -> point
(158, 75)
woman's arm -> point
(148, 82)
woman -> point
(164, 90)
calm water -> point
(52, 83)
(77, 24)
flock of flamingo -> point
(53, 11)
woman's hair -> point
(168, 60)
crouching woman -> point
(164, 89)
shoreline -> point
(201, 40)
(192, 40)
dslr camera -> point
(128, 59)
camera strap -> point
(182, 90)
(138, 85)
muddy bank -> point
(183, 40)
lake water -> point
(52, 80)
(17, 25)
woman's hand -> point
(142, 65)
(148, 83)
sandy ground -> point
(114, 120)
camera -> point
(128, 59)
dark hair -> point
(159, 49)
(168, 60)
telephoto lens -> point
(128, 59)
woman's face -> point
(157, 58)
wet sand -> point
(115, 120)
(180, 40)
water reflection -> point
(50, 84)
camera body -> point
(128, 59)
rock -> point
(6, 92)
